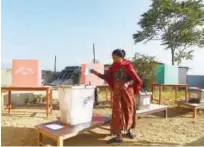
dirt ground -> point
(178, 129)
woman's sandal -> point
(131, 134)
(115, 140)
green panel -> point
(171, 74)
(160, 74)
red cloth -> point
(129, 68)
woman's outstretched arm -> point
(102, 76)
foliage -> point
(177, 24)
(76, 77)
(39, 98)
(146, 69)
(49, 76)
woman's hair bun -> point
(124, 53)
(119, 53)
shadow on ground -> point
(27, 137)
(198, 142)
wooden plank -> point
(27, 107)
(25, 88)
(102, 86)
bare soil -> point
(178, 129)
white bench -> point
(154, 108)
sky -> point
(41, 29)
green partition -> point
(160, 74)
(167, 74)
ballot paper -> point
(88, 68)
(54, 126)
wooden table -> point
(68, 131)
(192, 106)
(107, 88)
(48, 96)
(161, 86)
(154, 108)
(196, 91)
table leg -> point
(186, 93)
(40, 138)
(160, 94)
(165, 113)
(47, 103)
(96, 97)
(107, 95)
(60, 141)
(137, 119)
(111, 96)
(9, 101)
(152, 97)
(2, 100)
(176, 93)
(194, 112)
(51, 104)
(178, 107)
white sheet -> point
(54, 126)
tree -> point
(48, 76)
(177, 24)
(146, 69)
(76, 77)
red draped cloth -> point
(124, 105)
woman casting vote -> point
(125, 84)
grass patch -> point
(168, 95)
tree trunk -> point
(172, 56)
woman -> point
(125, 84)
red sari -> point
(124, 107)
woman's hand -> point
(125, 86)
(92, 71)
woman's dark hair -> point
(119, 52)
